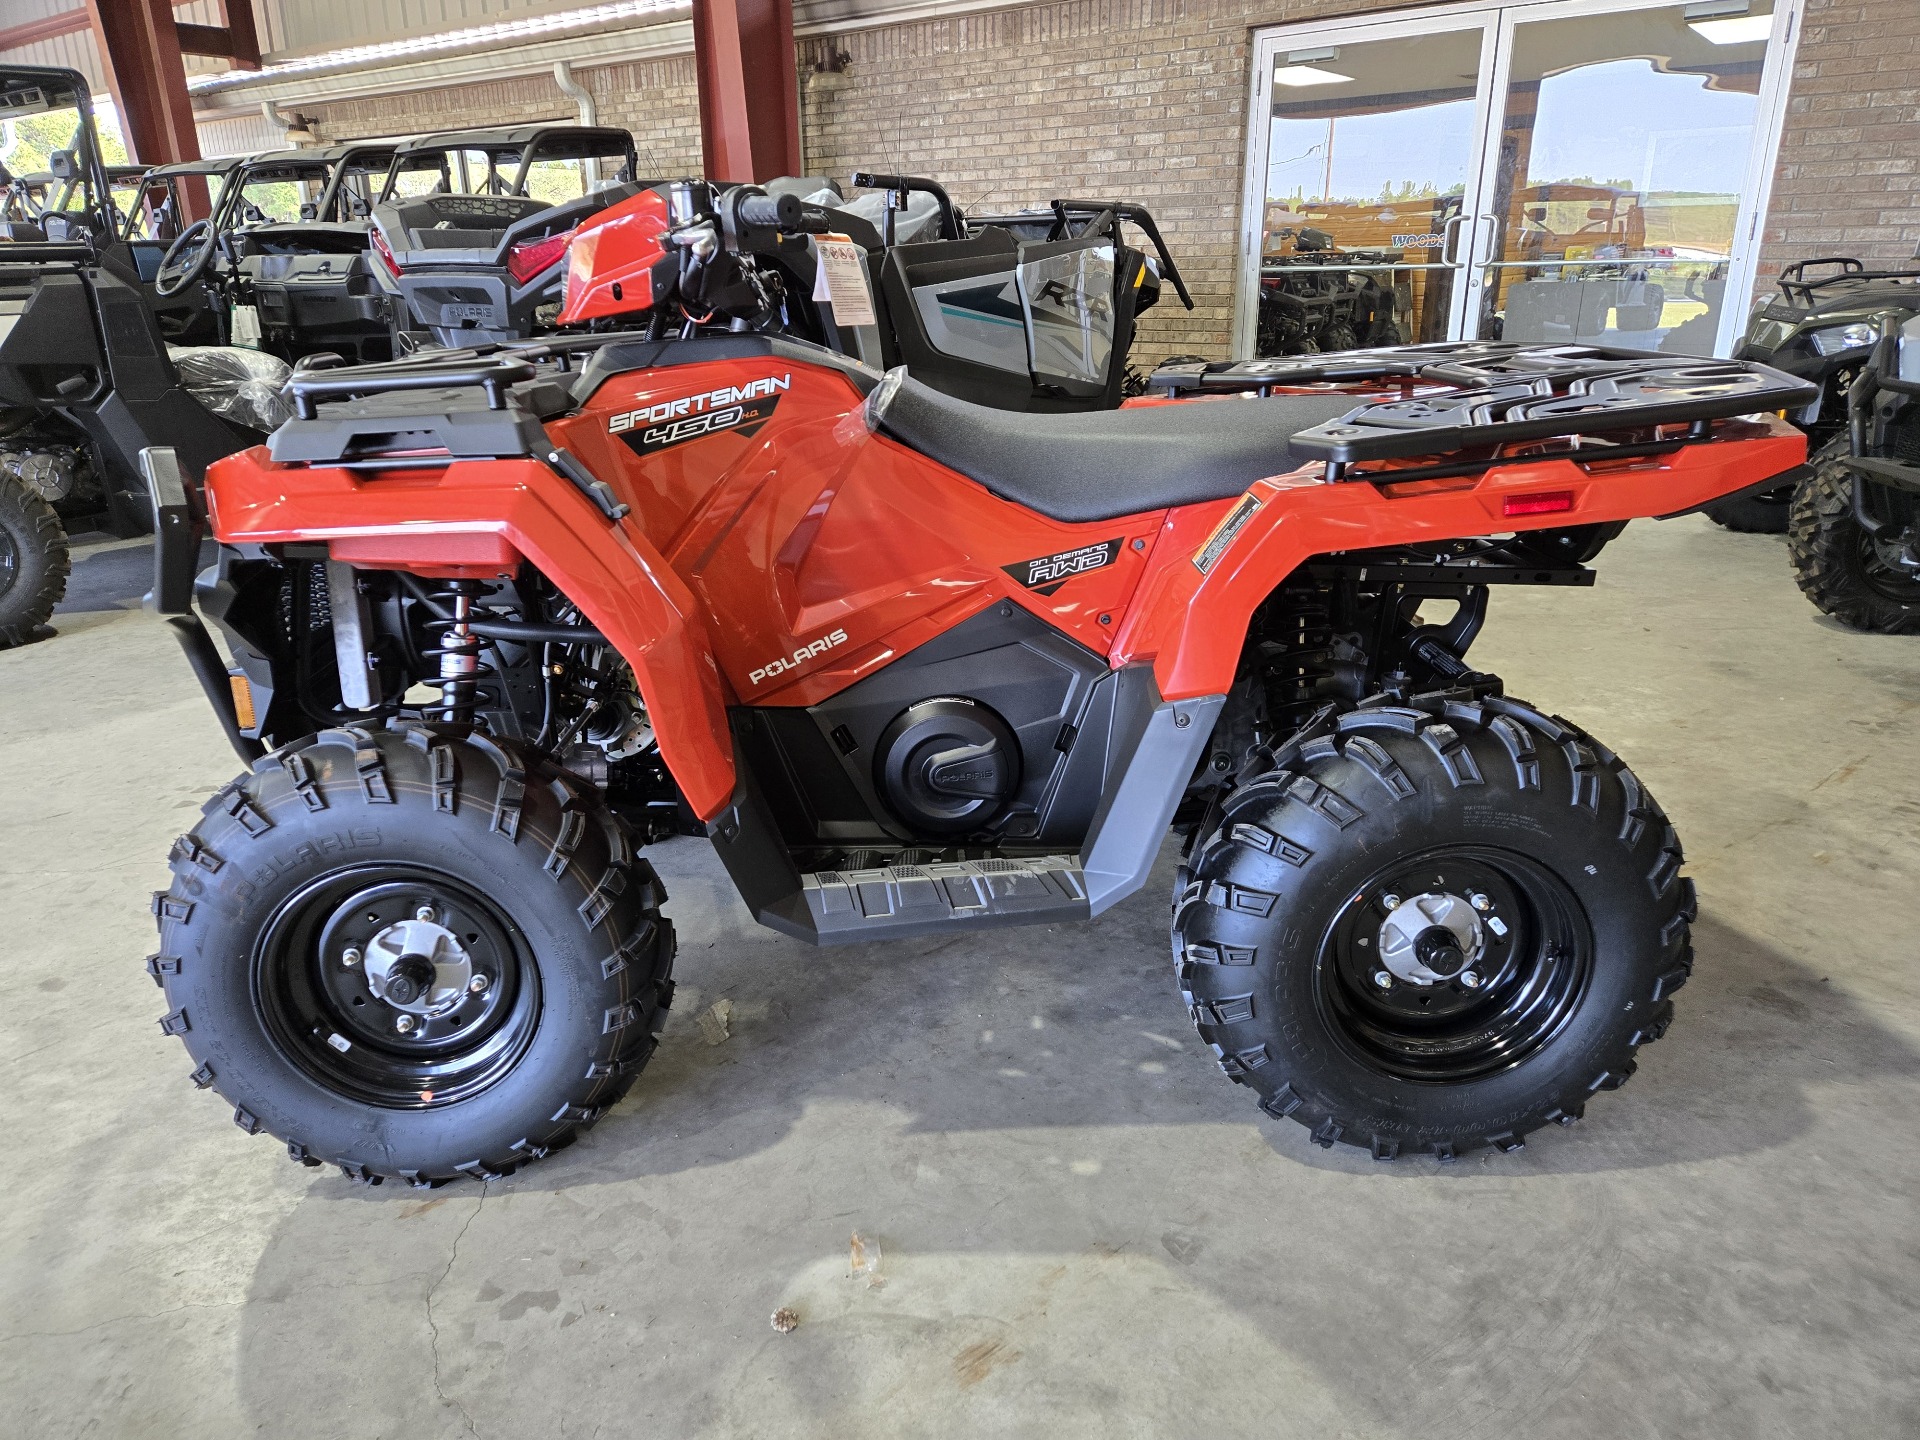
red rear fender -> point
(1213, 564)
(480, 517)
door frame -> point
(1496, 20)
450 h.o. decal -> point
(744, 408)
(1048, 573)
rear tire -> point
(34, 563)
(1763, 513)
(294, 895)
(1563, 873)
(1837, 564)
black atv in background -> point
(1853, 530)
(87, 380)
(1821, 328)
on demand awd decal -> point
(674, 422)
(1050, 572)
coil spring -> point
(458, 652)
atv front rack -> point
(1491, 393)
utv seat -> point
(1102, 464)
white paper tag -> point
(841, 280)
(243, 327)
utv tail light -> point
(528, 260)
(385, 253)
(1545, 502)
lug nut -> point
(478, 985)
(404, 1024)
(1480, 902)
(1383, 979)
(425, 912)
(1470, 979)
(350, 955)
(1392, 902)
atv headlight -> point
(1837, 338)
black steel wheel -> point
(1454, 965)
(413, 952)
(34, 563)
(1432, 926)
(1860, 580)
(396, 986)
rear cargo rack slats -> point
(1499, 393)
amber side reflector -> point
(242, 699)
(1546, 502)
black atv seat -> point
(1103, 464)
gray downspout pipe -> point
(582, 98)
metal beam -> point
(141, 49)
(65, 22)
(749, 88)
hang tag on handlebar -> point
(841, 280)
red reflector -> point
(528, 260)
(1547, 502)
(385, 253)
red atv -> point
(916, 666)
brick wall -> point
(1142, 100)
(1848, 178)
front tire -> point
(1839, 566)
(1542, 880)
(412, 953)
(34, 563)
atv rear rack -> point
(1501, 393)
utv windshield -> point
(47, 132)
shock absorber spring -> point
(459, 654)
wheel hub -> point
(419, 966)
(1428, 939)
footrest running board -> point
(894, 901)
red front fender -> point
(478, 518)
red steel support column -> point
(749, 88)
(142, 54)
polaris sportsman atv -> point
(1822, 328)
(917, 667)
(1854, 527)
(87, 382)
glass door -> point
(1364, 174)
(1617, 182)
(1533, 170)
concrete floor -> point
(1084, 1230)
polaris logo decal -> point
(1224, 535)
(1050, 572)
(673, 422)
(797, 658)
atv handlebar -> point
(786, 213)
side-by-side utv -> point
(917, 667)
(87, 376)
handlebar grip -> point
(868, 180)
(770, 213)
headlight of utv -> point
(1843, 337)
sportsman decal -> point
(743, 408)
(1050, 572)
